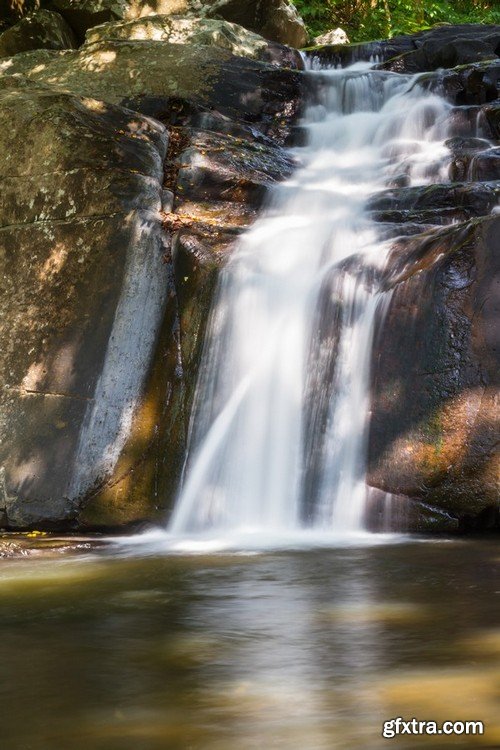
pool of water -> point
(306, 649)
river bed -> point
(111, 647)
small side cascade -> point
(279, 428)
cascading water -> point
(279, 426)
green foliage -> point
(375, 19)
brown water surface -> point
(292, 650)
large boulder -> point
(40, 30)
(198, 31)
(147, 76)
(435, 399)
(84, 293)
(276, 20)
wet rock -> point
(198, 254)
(491, 120)
(475, 84)
(196, 31)
(40, 544)
(468, 200)
(473, 159)
(221, 167)
(439, 53)
(439, 47)
(84, 293)
(386, 513)
(435, 409)
(40, 30)
(220, 181)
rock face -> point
(435, 397)
(40, 30)
(133, 73)
(84, 289)
(113, 227)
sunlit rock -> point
(146, 76)
(335, 36)
(195, 31)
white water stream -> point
(279, 427)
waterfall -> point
(279, 426)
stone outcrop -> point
(441, 46)
(114, 226)
(133, 73)
(84, 289)
(435, 398)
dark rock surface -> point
(435, 378)
(439, 47)
(40, 30)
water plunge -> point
(280, 420)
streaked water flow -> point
(279, 426)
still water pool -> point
(306, 649)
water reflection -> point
(310, 649)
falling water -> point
(279, 426)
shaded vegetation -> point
(376, 19)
